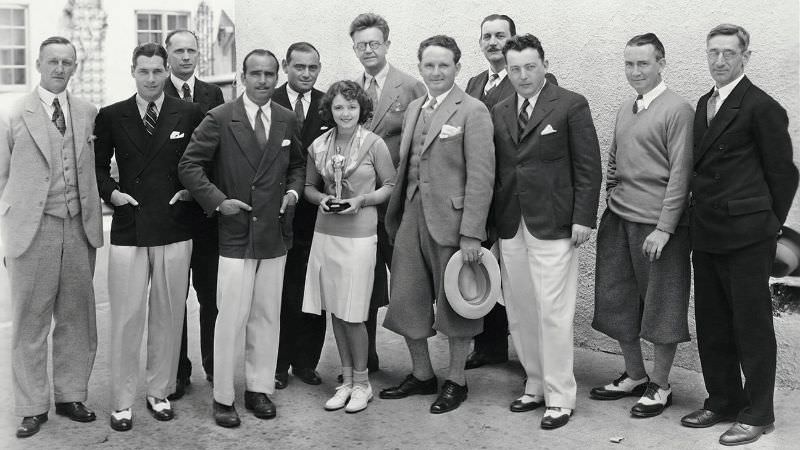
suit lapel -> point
(133, 125)
(277, 130)
(480, 83)
(408, 127)
(509, 120)
(442, 114)
(727, 112)
(35, 119)
(544, 104)
(78, 118)
(167, 119)
(389, 95)
(244, 134)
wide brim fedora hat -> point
(472, 289)
(787, 254)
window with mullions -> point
(13, 48)
(155, 25)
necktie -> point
(523, 118)
(491, 84)
(711, 107)
(636, 104)
(58, 117)
(150, 119)
(372, 91)
(299, 111)
(427, 112)
(261, 131)
(187, 93)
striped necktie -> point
(150, 119)
(523, 118)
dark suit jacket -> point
(551, 180)
(503, 90)
(305, 214)
(244, 172)
(207, 95)
(744, 179)
(148, 170)
(456, 173)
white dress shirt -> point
(500, 77)
(306, 99)
(178, 83)
(380, 79)
(726, 90)
(531, 101)
(141, 103)
(648, 97)
(47, 97)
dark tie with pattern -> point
(711, 107)
(523, 118)
(372, 91)
(150, 118)
(58, 117)
(187, 93)
(261, 131)
(299, 111)
(636, 103)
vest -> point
(62, 198)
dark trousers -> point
(733, 310)
(204, 264)
(493, 340)
(380, 291)
(302, 335)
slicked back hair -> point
(57, 40)
(521, 42)
(648, 39)
(174, 32)
(259, 52)
(512, 27)
(149, 49)
(300, 47)
(729, 29)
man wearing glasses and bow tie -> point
(391, 90)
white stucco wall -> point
(583, 40)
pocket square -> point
(176, 135)
(548, 130)
(323, 128)
(449, 131)
(285, 142)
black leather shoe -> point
(121, 424)
(160, 412)
(741, 433)
(478, 359)
(703, 418)
(411, 386)
(551, 423)
(307, 376)
(75, 411)
(260, 404)
(281, 380)
(450, 398)
(520, 406)
(226, 416)
(30, 425)
(181, 386)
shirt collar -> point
(439, 98)
(292, 94)
(47, 97)
(380, 77)
(252, 109)
(726, 90)
(532, 100)
(648, 97)
(142, 103)
(178, 83)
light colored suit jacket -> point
(398, 91)
(456, 173)
(25, 172)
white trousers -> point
(540, 295)
(165, 269)
(249, 304)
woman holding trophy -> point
(345, 166)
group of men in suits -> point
(513, 161)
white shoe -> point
(359, 398)
(624, 386)
(339, 399)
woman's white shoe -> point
(359, 398)
(339, 399)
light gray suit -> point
(50, 259)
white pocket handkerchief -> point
(548, 130)
(176, 135)
(285, 142)
(323, 128)
(449, 131)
